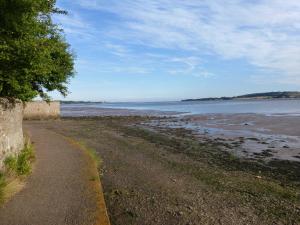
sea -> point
(267, 107)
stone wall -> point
(11, 132)
(41, 110)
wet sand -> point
(68, 111)
(256, 136)
(246, 135)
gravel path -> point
(62, 188)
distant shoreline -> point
(80, 102)
(255, 96)
(288, 95)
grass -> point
(95, 157)
(90, 151)
(2, 186)
(21, 163)
(15, 168)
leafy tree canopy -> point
(34, 56)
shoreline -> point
(251, 135)
(99, 112)
(73, 112)
(265, 107)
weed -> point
(11, 163)
(24, 160)
(2, 185)
(15, 167)
(21, 163)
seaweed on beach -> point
(209, 151)
(287, 172)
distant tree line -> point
(265, 95)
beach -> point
(149, 112)
(197, 169)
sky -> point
(159, 50)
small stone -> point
(179, 213)
(190, 208)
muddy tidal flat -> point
(253, 136)
(162, 170)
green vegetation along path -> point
(63, 188)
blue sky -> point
(138, 50)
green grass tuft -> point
(21, 163)
(10, 163)
(2, 185)
(24, 160)
(16, 166)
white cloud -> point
(73, 25)
(118, 50)
(95, 67)
(266, 33)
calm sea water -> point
(291, 107)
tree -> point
(34, 56)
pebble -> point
(190, 208)
(179, 213)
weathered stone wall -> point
(11, 132)
(41, 110)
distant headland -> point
(265, 95)
(80, 102)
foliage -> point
(20, 164)
(11, 163)
(2, 185)
(15, 167)
(34, 57)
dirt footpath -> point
(62, 190)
